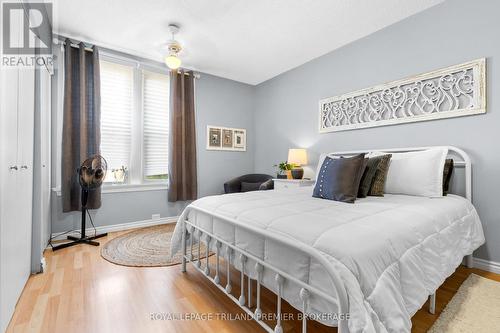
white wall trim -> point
(120, 227)
(487, 265)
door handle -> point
(25, 167)
(14, 167)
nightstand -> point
(283, 184)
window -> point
(116, 117)
(134, 123)
(155, 106)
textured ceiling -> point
(247, 41)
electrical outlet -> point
(155, 216)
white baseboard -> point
(120, 227)
(487, 265)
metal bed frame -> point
(232, 252)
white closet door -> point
(41, 169)
(25, 128)
(11, 270)
(45, 157)
(16, 179)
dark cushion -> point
(447, 172)
(378, 183)
(368, 176)
(234, 185)
(339, 178)
(247, 187)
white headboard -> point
(454, 152)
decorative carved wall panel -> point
(449, 92)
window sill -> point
(116, 188)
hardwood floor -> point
(81, 292)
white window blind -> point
(116, 115)
(156, 103)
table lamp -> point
(297, 157)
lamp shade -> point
(297, 156)
(172, 61)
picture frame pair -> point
(226, 138)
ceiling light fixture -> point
(172, 59)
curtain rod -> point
(90, 49)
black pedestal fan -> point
(91, 174)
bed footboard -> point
(233, 253)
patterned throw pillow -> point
(338, 178)
(378, 183)
(447, 172)
(368, 175)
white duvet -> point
(391, 252)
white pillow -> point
(417, 173)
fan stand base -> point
(83, 239)
(77, 240)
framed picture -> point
(214, 139)
(226, 138)
(240, 137)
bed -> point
(364, 267)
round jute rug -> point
(145, 247)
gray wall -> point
(219, 102)
(456, 31)
(223, 102)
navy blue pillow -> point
(339, 178)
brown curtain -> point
(81, 136)
(182, 160)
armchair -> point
(250, 182)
